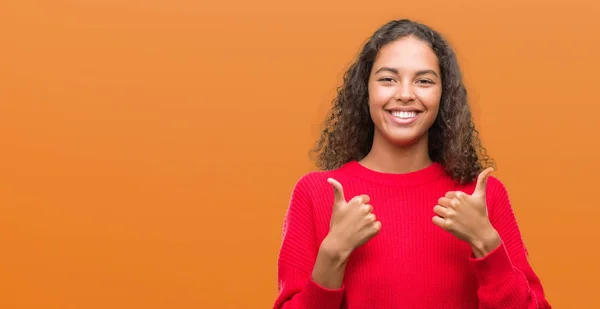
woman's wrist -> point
(330, 265)
(487, 242)
(334, 251)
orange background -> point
(149, 148)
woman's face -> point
(405, 89)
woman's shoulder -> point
(310, 188)
(492, 182)
(317, 178)
(496, 191)
(494, 185)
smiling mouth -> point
(404, 115)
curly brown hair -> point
(453, 140)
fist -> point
(352, 222)
(465, 216)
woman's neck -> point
(388, 158)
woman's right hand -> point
(352, 225)
(352, 222)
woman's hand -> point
(352, 223)
(466, 217)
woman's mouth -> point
(403, 117)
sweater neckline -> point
(425, 175)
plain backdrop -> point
(149, 148)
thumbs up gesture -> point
(466, 217)
(352, 222)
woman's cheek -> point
(429, 96)
(381, 95)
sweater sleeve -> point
(506, 279)
(297, 255)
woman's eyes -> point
(420, 81)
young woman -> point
(402, 215)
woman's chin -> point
(403, 139)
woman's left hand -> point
(466, 217)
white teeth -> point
(404, 115)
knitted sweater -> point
(411, 263)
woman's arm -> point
(310, 275)
(506, 279)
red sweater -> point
(411, 263)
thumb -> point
(338, 191)
(482, 181)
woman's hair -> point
(453, 140)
